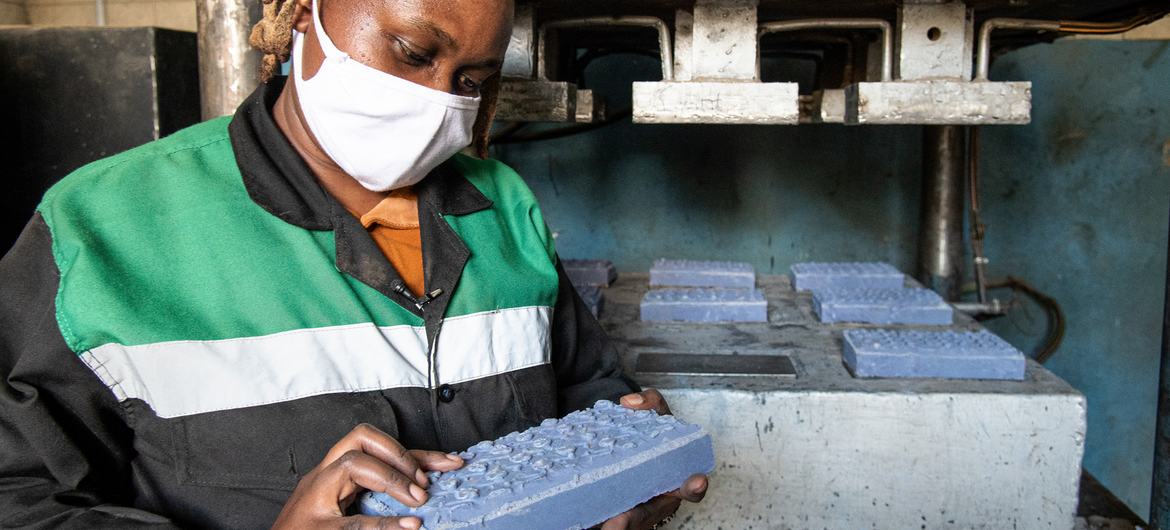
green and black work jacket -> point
(186, 329)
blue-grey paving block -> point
(697, 304)
(592, 296)
(846, 275)
(882, 306)
(944, 354)
(583, 272)
(570, 473)
(688, 273)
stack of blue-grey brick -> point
(876, 293)
(589, 277)
(703, 291)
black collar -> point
(278, 180)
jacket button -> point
(446, 393)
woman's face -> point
(448, 45)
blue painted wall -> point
(768, 195)
(1077, 203)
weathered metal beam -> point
(716, 102)
(525, 100)
(939, 103)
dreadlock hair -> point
(273, 34)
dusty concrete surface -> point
(825, 450)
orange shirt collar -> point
(398, 210)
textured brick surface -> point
(882, 306)
(705, 305)
(943, 354)
(687, 273)
(592, 296)
(846, 275)
(570, 473)
(584, 272)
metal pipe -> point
(664, 45)
(842, 23)
(1160, 493)
(994, 307)
(99, 15)
(228, 65)
(978, 229)
(983, 55)
(940, 246)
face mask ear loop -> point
(327, 45)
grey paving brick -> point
(584, 272)
(699, 304)
(882, 306)
(846, 275)
(689, 273)
(570, 473)
(942, 354)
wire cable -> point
(1057, 324)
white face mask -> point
(384, 131)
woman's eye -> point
(468, 84)
(413, 57)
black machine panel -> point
(75, 95)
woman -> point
(259, 317)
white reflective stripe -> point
(483, 344)
(182, 378)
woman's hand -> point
(365, 459)
(650, 513)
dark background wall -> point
(1076, 203)
(75, 95)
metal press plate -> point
(781, 9)
(715, 365)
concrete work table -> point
(826, 450)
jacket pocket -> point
(272, 446)
(535, 392)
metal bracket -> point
(717, 59)
(935, 44)
(533, 97)
(603, 22)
